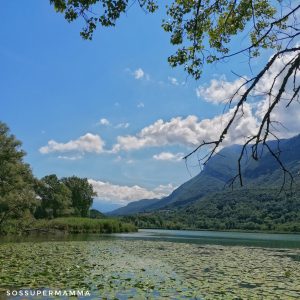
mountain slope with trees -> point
(219, 172)
(206, 202)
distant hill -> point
(96, 214)
(214, 177)
(133, 207)
(194, 198)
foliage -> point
(215, 177)
(110, 12)
(17, 196)
(201, 29)
(23, 197)
(197, 24)
(64, 197)
(244, 209)
(96, 214)
(82, 194)
(84, 225)
(55, 197)
(207, 31)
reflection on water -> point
(218, 238)
(269, 240)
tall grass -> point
(84, 225)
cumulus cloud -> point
(189, 131)
(140, 105)
(104, 122)
(289, 116)
(173, 80)
(122, 125)
(168, 156)
(123, 194)
(221, 91)
(87, 143)
(138, 73)
(74, 157)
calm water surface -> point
(270, 240)
(156, 264)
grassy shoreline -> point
(71, 225)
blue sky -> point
(111, 110)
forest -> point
(48, 204)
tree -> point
(203, 31)
(17, 197)
(82, 194)
(55, 198)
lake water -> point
(155, 264)
(231, 238)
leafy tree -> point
(82, 194)
(203, 31)
(110, 12)
(55, 198)
(17, 197)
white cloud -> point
(122, 125)
(104, 122)
(221, 91)
(190, 131)
(286, 119)
(138, 73)
(173, 80)
(86, 143)
(74, 157)
(168, 156)
(140, 105)
(118, 158)
(123, 194)
(289, 117)
(130, 161)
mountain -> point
(219, 170)
(133, 207)
(105, 206)
(96, 214)
(214, 176)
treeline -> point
(25, 199)
(251, 209)
(69, 196)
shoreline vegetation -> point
(29, 204)
(70, 225)
(48, 204)
(216, 229)
(223, 230)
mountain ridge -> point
(218, 171)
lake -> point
(231, 238)
(155, 264)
